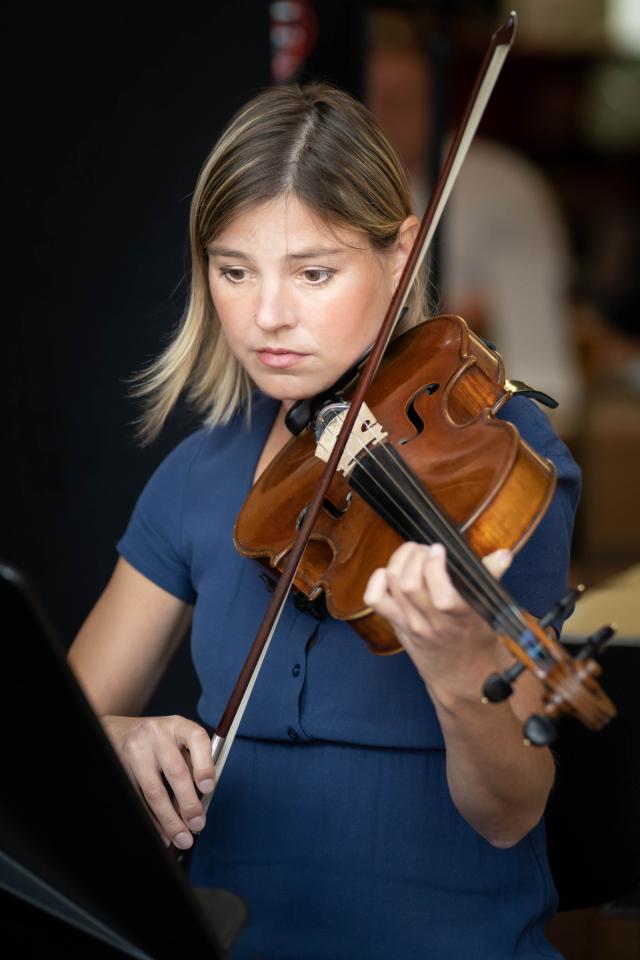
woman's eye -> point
(233, 274)
(316, 276)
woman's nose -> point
(274, 309)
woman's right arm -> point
(118, 658)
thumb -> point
(498, 562)
(376, 587)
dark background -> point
(110, 119)
(113, 119)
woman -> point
(371, 806)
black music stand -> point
(81, 865)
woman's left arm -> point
(499, 786)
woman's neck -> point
(278, 436)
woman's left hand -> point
(451, 645)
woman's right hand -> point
(149, 747)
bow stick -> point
(488, 73)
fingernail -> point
(183, 840)
(196, 824)
(206, 786)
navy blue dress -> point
(333, 818)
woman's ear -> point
(407, 234)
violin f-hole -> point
(301, 516)
(412, 413)
(331, 508)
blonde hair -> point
(316, 143)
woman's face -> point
(299, 303)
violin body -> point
(436, 395)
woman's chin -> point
(290, 389)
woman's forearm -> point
(499, 785)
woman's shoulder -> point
(210, 458)
(538, 575)
(207, 443)
(534, 427)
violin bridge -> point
(365, 432)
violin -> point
(408, 446)
(428, 461)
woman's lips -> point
(280, 359)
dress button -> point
(292, 734)
(295, 669)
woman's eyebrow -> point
(216, 251)
(314, 252)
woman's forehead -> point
(287, 220)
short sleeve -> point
(153, 541)
(538, 576)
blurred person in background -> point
(506, 265)
(610, 318)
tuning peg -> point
(596, 642)
(499, 686)
(561, 605)
(539, 731)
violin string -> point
(501, 619)
(498, 602)
(448, 531)
(476, 576)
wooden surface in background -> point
(595, 934)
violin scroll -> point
(540, 730)
(568, 683)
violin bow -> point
(486, 78)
